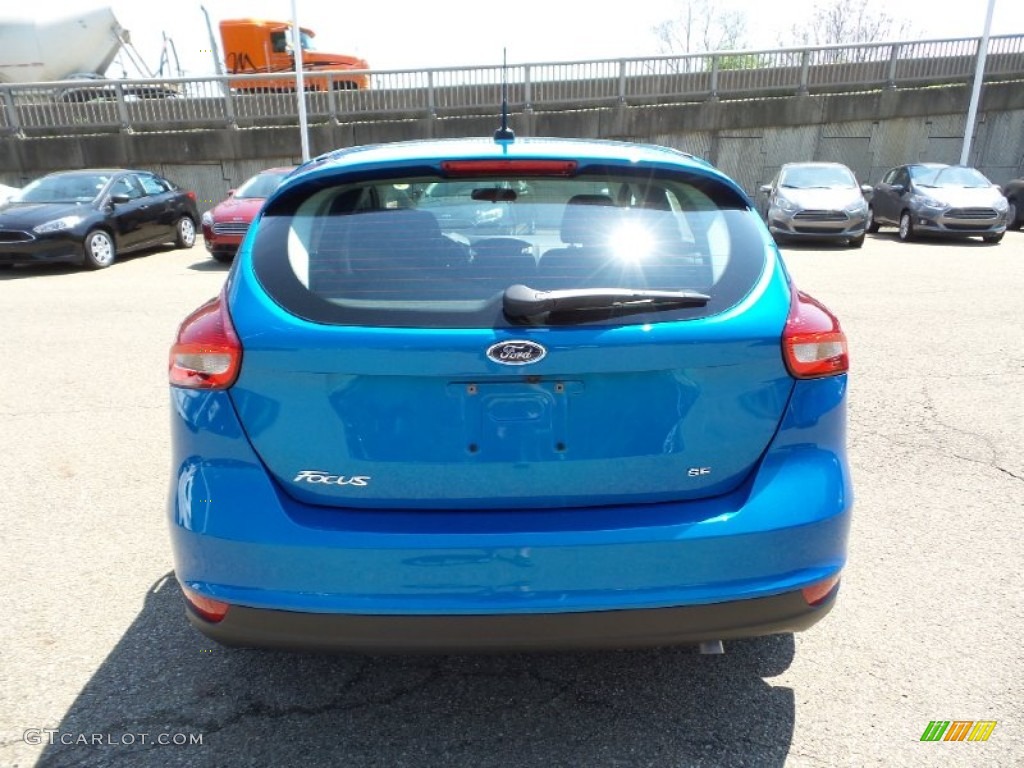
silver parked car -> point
(940, 200)
(817, 201)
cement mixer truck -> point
(81, 45)
(78, 47)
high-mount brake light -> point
(813, 344)
(207, 353)
(511, 167)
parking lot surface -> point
(98, 665)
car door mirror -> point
(899, 189)
(119, 199)
(766, 188)
(231, 193)
(866, 189)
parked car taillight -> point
(207, 353)
(813, 344)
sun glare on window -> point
(631, 241)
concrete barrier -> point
(748, 139)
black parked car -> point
(1014, 192)
(939, 200)
(88, 217)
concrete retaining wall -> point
(747, 139)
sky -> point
(415, 34)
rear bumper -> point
(697, 570)
(244, 626)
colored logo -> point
(516, 352)
(958, 730)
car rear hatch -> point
(370, 383)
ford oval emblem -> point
(516, 352)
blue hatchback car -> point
(604, 418)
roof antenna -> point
(504, 133)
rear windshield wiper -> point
(523, 302)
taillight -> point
(208, 608)
(816, 593)
(207, 353)
(813, 344)
(516, 167)
(191, 195)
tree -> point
(701, 26)
(848, 22)
(741, 61)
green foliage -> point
(740, 61)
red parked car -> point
(226, 223)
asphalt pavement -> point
(98, 666)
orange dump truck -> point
(255, 46)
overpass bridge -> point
(870, 106)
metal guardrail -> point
(83, 106)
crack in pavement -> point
(166, 719)
(993, 463)
(939, 441)
(944, 453)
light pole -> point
(213, 45)
(300, 80)
(979, 75)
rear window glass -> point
(440, 252)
